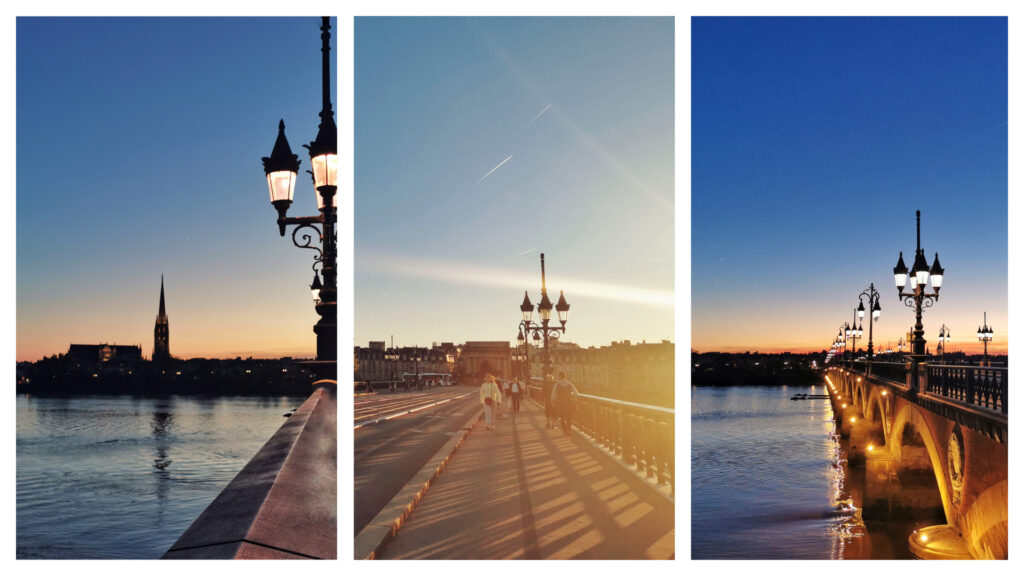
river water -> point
(123, 477)
(769, 477)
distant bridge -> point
(931, 438)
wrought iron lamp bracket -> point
(305, 240)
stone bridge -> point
(931, 441)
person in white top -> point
(490, 397)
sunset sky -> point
(481, 143)
(814, 140)
(138, 154)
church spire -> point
(163, 311)
(161, 331)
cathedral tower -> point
(161, 331)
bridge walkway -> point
(526, 491)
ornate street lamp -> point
(985, 335)
(854, 332)
(917, 298)
(391, 356)
(281, 169)
(417, 357)
(316, 287)
(543, 330)
(521, 357)
(872, 296)
(943, 339)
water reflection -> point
(769, 479)
(122, 477)
(163, 418)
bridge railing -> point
(641, 434)
(983, 386)
(892, 371)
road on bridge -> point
(527, 491)
(392, 444)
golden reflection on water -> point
(846, 525)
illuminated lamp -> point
(281, 168)
(562, 308)
(936, 273)
(527, 308)
(316, 286)
(900, 273)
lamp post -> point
(917, 298)
(392, 357)
(281, 169)
(853, 332)
(872, 296)
(416, 357)
(943, 338)
(985, 335)
(900, 345)
(544, 330)
(841, 340)
(521, 356)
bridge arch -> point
(909, 414)
(875, 410)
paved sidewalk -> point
(524, 491)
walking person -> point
(490, 397)
(505, 390)
(516, 392)
(549, 405)
(564, 395)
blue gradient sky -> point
(481, 143)
(138, 153)
(814, 140)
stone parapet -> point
(283, 503)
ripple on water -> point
(87, 483)
(763, 477)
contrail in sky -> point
(525, 252)
(541, 113)
(502, 163)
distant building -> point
(373, 364)
(644, 372)
(100, 358)
(161, 331)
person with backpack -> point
(490, 397)
(563, 396)
(516, 392)
(547, 386)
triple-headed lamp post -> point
(282, 168)
(853, 332)
(943, 339)
(544, 330)
(985, 335)
(917, 298)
